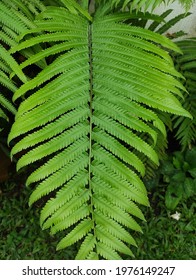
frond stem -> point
(90, 98)
(90, 117)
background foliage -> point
(163, 237)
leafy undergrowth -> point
(163, 236)
(20, 234)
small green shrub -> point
(180, 175)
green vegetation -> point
(163, 237)
(86, 116)
(20, 234)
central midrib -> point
(90, 122)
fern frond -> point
(3, 116)
(78, 214)
(70, 208)
(145, 4)
(92, 256)
(187, 3)
(17, 4)
(114, 228)
(60, 177)
(113, 242)
(115, 213)
(4, 79)
(120, 132)
(71, 153)
(74, 8)
(101, 155)
(155, 24)
(76, 234)
(34, 6)
(6, 104)
(101, 171)
(16, 19)
(7, 86)
(148, 4)
(186, 64)
(86, 247)
(116, 197)
(64, 195)
(172, 22)
(13, 22)
(106, 252)
(120, 151)
(12, 63)
(90, 121)
(55, 144)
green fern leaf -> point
(101, 171)
(120, 151)
(76, 234)
(7, 88)
(78, 214)
(12, 63)
(2, 115)
(106, 252)
(5, 103)
(73, 6)
(86, 248)
(115, 213)
(59, 178)
(114, 228)
(64, 195)
(149, 4)
(106, 238)
(116, 197)
(186, 63)
(93, 256)
(89, 121)
(67, 210)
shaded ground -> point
(22, 238)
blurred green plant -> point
(186, 64)
(180, 174)
(162, 238)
